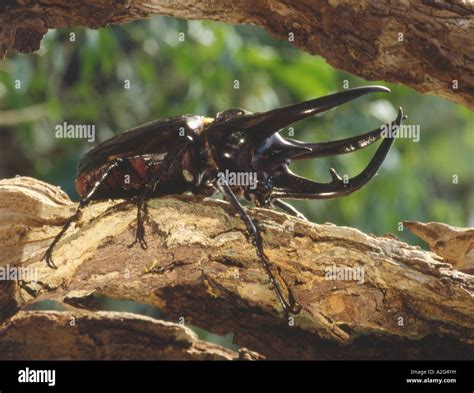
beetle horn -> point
(289, 185)
(280, 150)
(343, 146)
(262, 125)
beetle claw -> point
(49, 259)
(143, 243)
(140, 237)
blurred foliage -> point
(82, 82)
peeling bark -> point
(199, 265)
(455, 245)
(426, 45)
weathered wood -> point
(455, 245)
(85, 335)
(200, 266)
(427, 45)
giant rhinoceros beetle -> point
(190, 153)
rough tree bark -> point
(427, 45)
(200, 266)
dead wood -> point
(85, 335)
(200, 268)
(426, 45)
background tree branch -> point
(200, 267)
(101, 335)
(426, 45)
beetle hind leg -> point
(48, 255)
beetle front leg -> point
(254, 230)
(292, 211)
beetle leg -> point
(48, 255)
(150, 188)
(140, 232)
(292, 211)
(292, 306)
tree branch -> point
(31, 113)
(426, 45)
(199, 265)
(104, 336)
(455, 245)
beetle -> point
(190, 153)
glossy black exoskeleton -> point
(238, 153)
